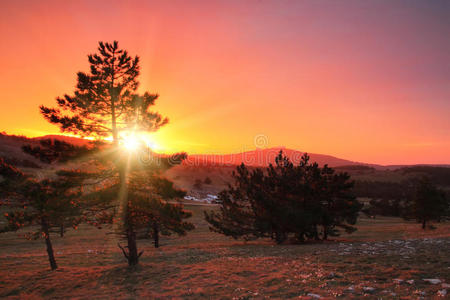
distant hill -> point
(68, 139)
(262, 157)
(439, 175)
(218, 168)
(11, 151)
(10, 147)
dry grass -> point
(208, 265)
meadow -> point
(278, 119)
(386, 258)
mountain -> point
(10, 147)
(262, 157)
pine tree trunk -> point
(61, 230)
(316, 233)
(125, 224)
(51, 256)
(123, 196)
(156, 234)
(424, 224)
(133, 257)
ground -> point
(377, 261)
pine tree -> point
(54, 203)
(152, 214)
(47, 203)
(167, 218)
(429, 203)
(106, 103)
(339, 206)
(285, 200)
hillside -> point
(383, 254)
(218, 168)
(10, 146)
(11, 150)
(262, 157)
(68, 139)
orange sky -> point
(362, 80)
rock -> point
(398, 281)
(368, 289)
(331, 275)
(422, 293)
(442, 293)
(350, 289)
(411, 281)
(313, 295)
(432, 281)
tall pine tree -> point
(106, 103)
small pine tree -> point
(429, 203)
(47, 203)
(167, 218)
(207, 180)
(152, 214)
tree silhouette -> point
(106, 103)
(285, 200)
(428, 203)
(153, 215)
(54, 203)
(167, 218)
(47, 203)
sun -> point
(132, 141)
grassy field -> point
(207, 265)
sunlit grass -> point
(197, 265)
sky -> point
(367, 81)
